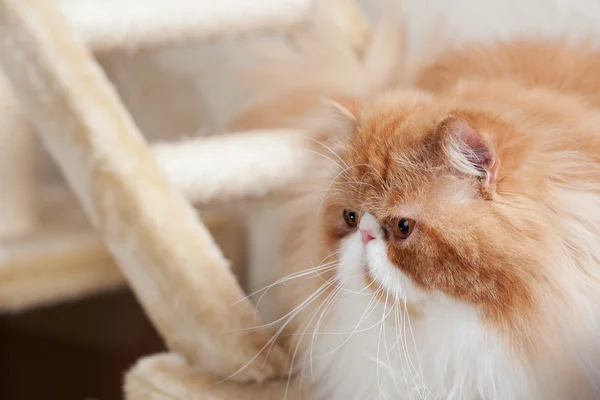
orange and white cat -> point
(448, 244)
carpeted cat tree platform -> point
(138, 197)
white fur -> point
(366, 349)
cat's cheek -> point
(397, 284)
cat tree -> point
(135, 194)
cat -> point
(447, 244)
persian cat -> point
(447, 245)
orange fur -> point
(519, 247)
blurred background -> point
(76, 344)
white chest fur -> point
(367, 350)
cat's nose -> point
(367, 235)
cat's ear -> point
(344, 107)
(467, 151)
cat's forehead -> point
(387, 186)
(423, 197)
(396, 126)
(393, 146)
(394, 163)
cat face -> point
(421, 208)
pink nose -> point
(367, 235)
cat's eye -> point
(403, 227)
(351, 218)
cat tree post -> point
(17, 175)
(164, 251)
(105, 25)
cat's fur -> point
(495, 151)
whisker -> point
(371, 306)
(328, 148)
(324, 156)
(290, 316)
(306, 326)
(328, 304)
(387, 352)
(343, 171)
(299, 274)
(275, 322)
(381, 325)
(422, 376)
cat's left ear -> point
(467, 151)
(345, 107)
